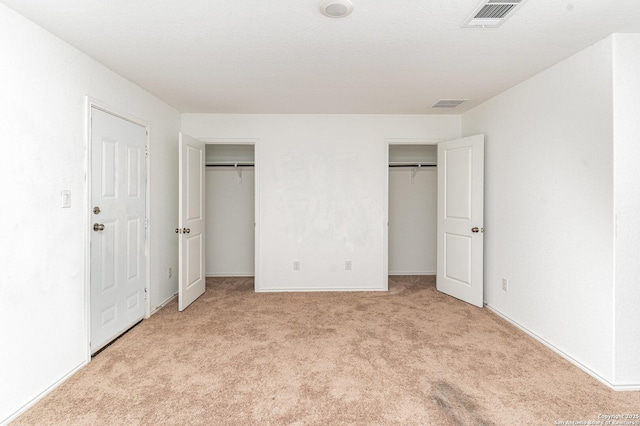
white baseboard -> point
(311, 290)
(627, 387)
(230, 274)
(163, 304)
(400, 273)
(41, 395)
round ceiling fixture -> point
(336, 8)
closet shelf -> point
(408, 164)
(229, 164)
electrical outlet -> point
(505, 284)
(296, 265)
(347, 265)
(170, 272)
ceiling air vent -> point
(492, 13)
(448, 103)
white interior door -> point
(118, 234)
(192, 282)
(460, 218)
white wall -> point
(626, 106)
(42, 290)
(549, 203)
(322, 184)
(230, 207)
(412, 221)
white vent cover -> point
(448, 103)
(492, 13)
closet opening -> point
(412, 208)
(230, 211)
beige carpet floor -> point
(408, 356)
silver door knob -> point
(186, 230)
(98, 227)
(178, 231)
(475, 229)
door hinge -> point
(146, 222)
(146, 151)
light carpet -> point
(408, 356)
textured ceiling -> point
(284, 56)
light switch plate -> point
(66, 199)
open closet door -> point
(192, 281)
(460, 218)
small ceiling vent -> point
(448, 103)
(492, 13)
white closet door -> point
(192, 281)
(460, 218)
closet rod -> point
(413, 165)
(231, 165)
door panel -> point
(133, 248)
(192, 282)
(460, 218)
(134, 157)
(106, 243)
(457, 249)
(133, 301)
(195, 161)
(194, 269)
(108, 167)
(118, 259)
(458, 184)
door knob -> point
(96, 210)
(178, 231)
(98, 227)
(475, 229)
(186, 230)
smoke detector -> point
(336, 8)
(492, 13)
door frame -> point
(256, 194)
(387, 144)
(90, 103)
